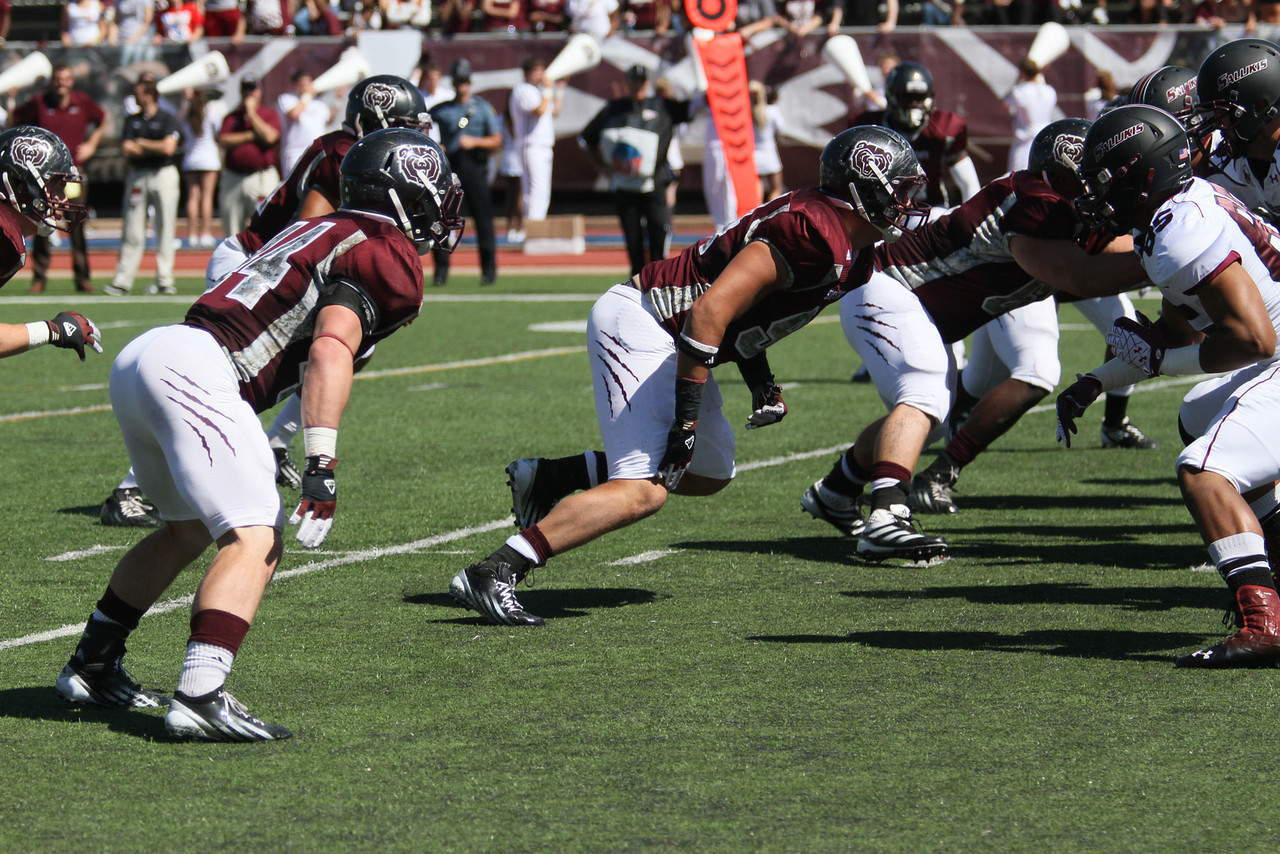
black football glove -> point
(1072, 403)
(682, 435)
(71, 330)
(767, 406)
(314, 513)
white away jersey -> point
(1196, 235)
(1240, 179)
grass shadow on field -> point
(1115, 502)
(91, 510)
(42, 704)
(1155, 598)
(558, 604)
(1068, 643)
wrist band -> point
(703, 354)
(320, 441)
(37, 334)
(1181, 361)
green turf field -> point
(726, 676)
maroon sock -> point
(218, 628)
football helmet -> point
(1240, 83)
(384, 101)
(1172, 89)
(874, 170)
(908, 94)
(403, 173)
(1134, 159)
(39, 179)
(1056, 152)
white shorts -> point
(1235, 418)
(227, 255)
(1021, 344)
(900, 346)
(633, 375)
(197, 447)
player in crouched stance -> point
(187, 398)
(652, 342)
(1215, 264)
(38, 187)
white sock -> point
(1266, 507)
(287, 424)
(205, 669)
(1238, 553)
(521, 545)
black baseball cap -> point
(460, 70)
(248, 83)
(637, 73)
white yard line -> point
(644, 557)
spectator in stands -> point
(502, 16)
(1159, 12)
(414, 14)
(431, 84)
(84, 23)
(597, 18)
(304, 118)
(511, 175)
(546, 16)
(265, 18)
(316, 18)
(1102, 94)
(533, 106)
(833, 13)
(469, 132)
(755, 16)
(179, 22)
(455, 15)
(131, 27)
(646, 16)
(248, 138)
(5, 16)
(766, 116)
(200, 120)
(221, 18)
(1031, 104)
(799, 17)
(78, 121)
(150, 143)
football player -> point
(1215, 264)
(187, 398)
(1008, 247)
(39, 186)
(654, 340)
(311, 189)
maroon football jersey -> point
(316, 169)
(13, 246)
(940, 144)
(264, 312)
(960, 265)
(804, 227)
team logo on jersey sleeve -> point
(32, 152)
(869, 160)
(379, 97)
(420, 164)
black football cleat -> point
(488, 588)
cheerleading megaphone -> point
(350, 68)
(579, 53)
(26, 71)
(1051, 42)
(842, 52)
(209, 70)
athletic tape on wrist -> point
(37, 334)
(703, 354)
(1181, 361)
(320, 441)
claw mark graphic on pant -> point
(871, 333)
(208, 451)
(609, 357)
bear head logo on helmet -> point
(874, 171)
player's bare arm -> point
(1242, 330)
(1067, 267)
(330, 366)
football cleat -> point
(839, 511)
(531, 500)
(1246, 648)
(126, 508)
(931, 490)
(218, 717)
(287, 474)
(488, 588)
(893, 534)
(861, 375)
(107, 684)
(1127, 436)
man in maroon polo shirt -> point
(248, 138)
(68, 113)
